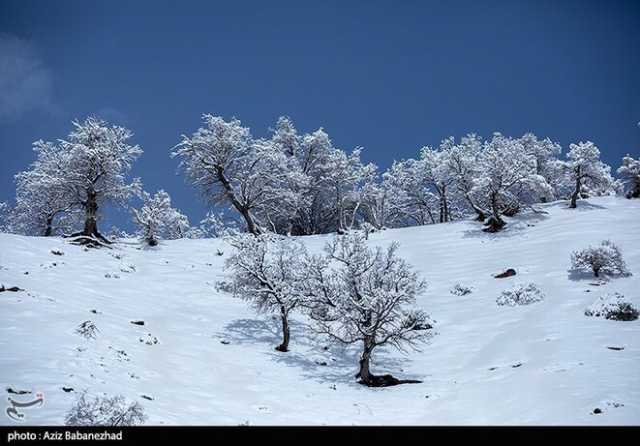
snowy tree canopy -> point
(506, 174)
(367, 299)
(157, 219)
(79, 173)
(630, 173)
(269, 271)
(585, 169)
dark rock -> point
(17, 392)
(597, 410)
(508, 273)
(68, 389)
(137, 322)
(57, 253)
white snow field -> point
(214, 361)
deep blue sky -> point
(387, 75)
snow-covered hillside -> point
(214, 360)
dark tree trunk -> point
(369, 379)
(635, 190)
(444, 205)
(248, 218)
(576, 192)
(91, 216)
(365, 373)
(242, 209)
(49, 229)
(284, 347)
(90, 233)
(495, 222)
(479, 212)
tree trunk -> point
(635, 190)
(480, 213)
(365, 373)
(576, 192)
(90, 231)
(284, 347)
(49, 229)
(91, 212)
(495, 222)
(242, 209)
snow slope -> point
(545, 363)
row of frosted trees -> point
(299, 184)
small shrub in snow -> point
(87, 330)
(104, 411)
(520, 294)
(224, 286)
(614, 307)
(461, 290)
(605, 258)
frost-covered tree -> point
(544, 153)
(605, 258)
(231, 167)
(437, 177)
(157, 219)
(368, 299)
(82, 172)
(506, 173)
(218, 224)
(41, 197)
(464, 168)
(95, 160)
(585, 170)
(630, 173)
(5, 213)
(376, 204)
(270, 272)
(413, 203)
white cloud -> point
(25, 81)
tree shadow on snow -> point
(515, 226)
(581, 275)
(317, 357)
(582, 206)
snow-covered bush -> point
(461, 290)
(367, 298)
(605, 258)
(613, 306)
(225, 286)
(521, 294)
(157, 219)
(270, 272)
(87, 330)
(104, 411)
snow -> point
(545, 363)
